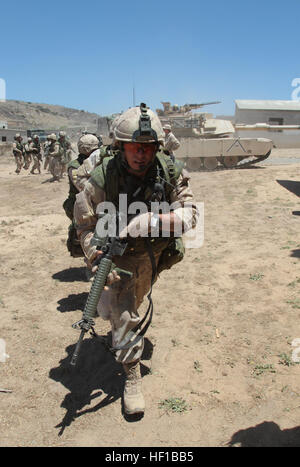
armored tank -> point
(208, 143)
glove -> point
(112, 277)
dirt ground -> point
(222, 333)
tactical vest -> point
(20, 147)
(110, 176)
(68, 204)
(73, 244)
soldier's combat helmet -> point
(87, 144)
(140, 125)
(52, 137)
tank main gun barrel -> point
(197, 106)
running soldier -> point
(18, 152)
(46, 153)
(142, 171)
(67, 152)
(55, 154)
(35, 148)
(27, 154)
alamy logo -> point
(296, 93)
(3, 354)
(2, 90)
(134, 220)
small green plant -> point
(197, 366)
(175, 342)
(173, 404)
(256, 277)
(285, 360)
(261, 369)
(294, 283)
(295, 302)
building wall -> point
(7, 135)
(281, 139)
(251, 116)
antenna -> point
(133, 96)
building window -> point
(276, 121)
(3, 139)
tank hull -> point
(228, 152)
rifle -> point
(114, 247)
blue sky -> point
(89, 55)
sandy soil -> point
(222, 333)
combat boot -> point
(134, 401)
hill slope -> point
(26, 115)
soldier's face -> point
(139, 155)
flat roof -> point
(267, 104)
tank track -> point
(243, 164)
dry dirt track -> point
(222, 331)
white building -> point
(269, 112)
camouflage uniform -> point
(18, 152)
(67, 152)
(46, 153)
(55, 153)
(171, 142)
(35, 148)
(86, 145)
(121, 301)
(27, 154)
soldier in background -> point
(27, 154)
(88, 145)
(35, 148)
(171, 142)
(46, 153)
(18, 152)
(55, 154)
(67, 151)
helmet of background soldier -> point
(139, 124)
(62, 134)
(167, 127)
(52, 137)
(17, 136)
(87, 144)
(29, 139)
(36, 137)
(112, 127)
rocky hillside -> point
(26, 115)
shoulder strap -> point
(172, 170)
(106, 177)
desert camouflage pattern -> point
(35, 149)
(171, 143)
(55, 154)
(18, 151)
(121, 302)
(27, 154)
